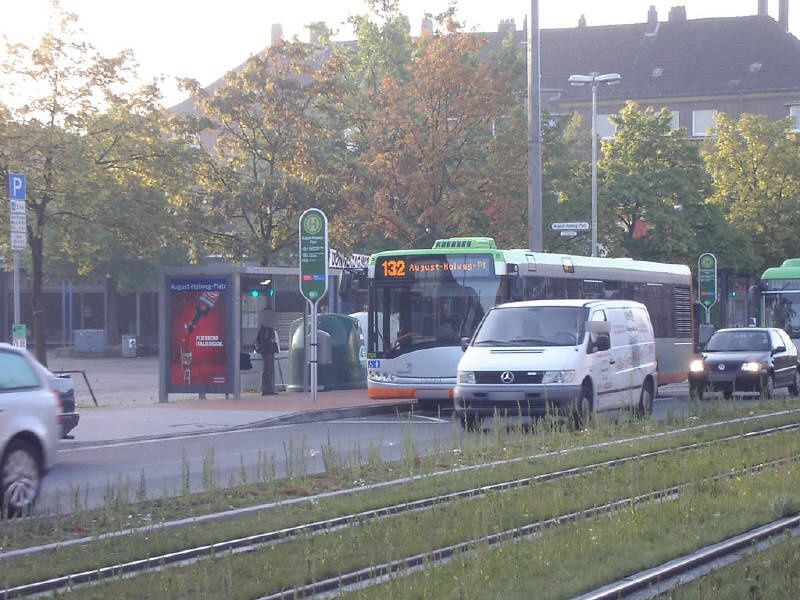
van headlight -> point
(697, 366)
(751, 367)
(466, 377)
(558, 376)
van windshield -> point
(532, 326)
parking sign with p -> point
(16, 186)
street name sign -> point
(569, 226)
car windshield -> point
(531, 326)
(738, 341)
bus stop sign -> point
(707, 280)
(313, 254)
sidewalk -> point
(126, 390)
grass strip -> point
(348, 469)
(567, 561)
(317, 557)
(773, 573)
(155, 542)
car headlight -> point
(466, 377)
(751, 367)
(697, 366)
(558, 376)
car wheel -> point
(794, 388)
(768, 387)
(582, 409)
(696, 392)
(645, 408)
(21, 476)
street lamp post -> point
(594, 79)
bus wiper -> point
(531, 342)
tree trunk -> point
(37, 300)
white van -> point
(564, 357)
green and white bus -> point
(423, 301)
(780, 298)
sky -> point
(204, 39)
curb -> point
(292, 418)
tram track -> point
(258, 541)
(248, 510)
(378, 574)
(653, 582)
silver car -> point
(30, 428)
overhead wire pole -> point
(535, 239)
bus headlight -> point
(751, 367)
(697, 366)
(558, 376)
(466, 377)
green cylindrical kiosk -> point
(339, 344)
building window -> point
(605, 128)
(703, 122)
(794, 112)
(676, 120)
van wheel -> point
(470, 422)
(21, 475)
(582, 409)
(645, 408)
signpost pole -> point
(19, 241)
(313, 237)
(707, 282)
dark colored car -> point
(65, 388)
(746, 359)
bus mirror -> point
(464, 343)
(754, 294)
(597, 327)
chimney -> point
(426, 29)
(277, 34)
(783, 14)
(677, 14)
(762, 8)
(506, 25)
(582, 21)
(652, 17)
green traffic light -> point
(255, 293)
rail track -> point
(257, 541)
(239, 512)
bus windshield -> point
(532, 326)
(429, 306)
(783, 311)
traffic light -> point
(255, 293)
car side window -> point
(776, 340)
(786, 339)
(16, 372)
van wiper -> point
(493, 343)
(532, 342)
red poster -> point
(199, 334)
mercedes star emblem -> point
(507, 377)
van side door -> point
(600, 365)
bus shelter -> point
(210, 316)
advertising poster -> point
(199, 336)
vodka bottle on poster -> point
(204, 305)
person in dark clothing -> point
(267, 346)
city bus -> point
(779, 305)
(421, 302)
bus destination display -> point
(451, 265)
